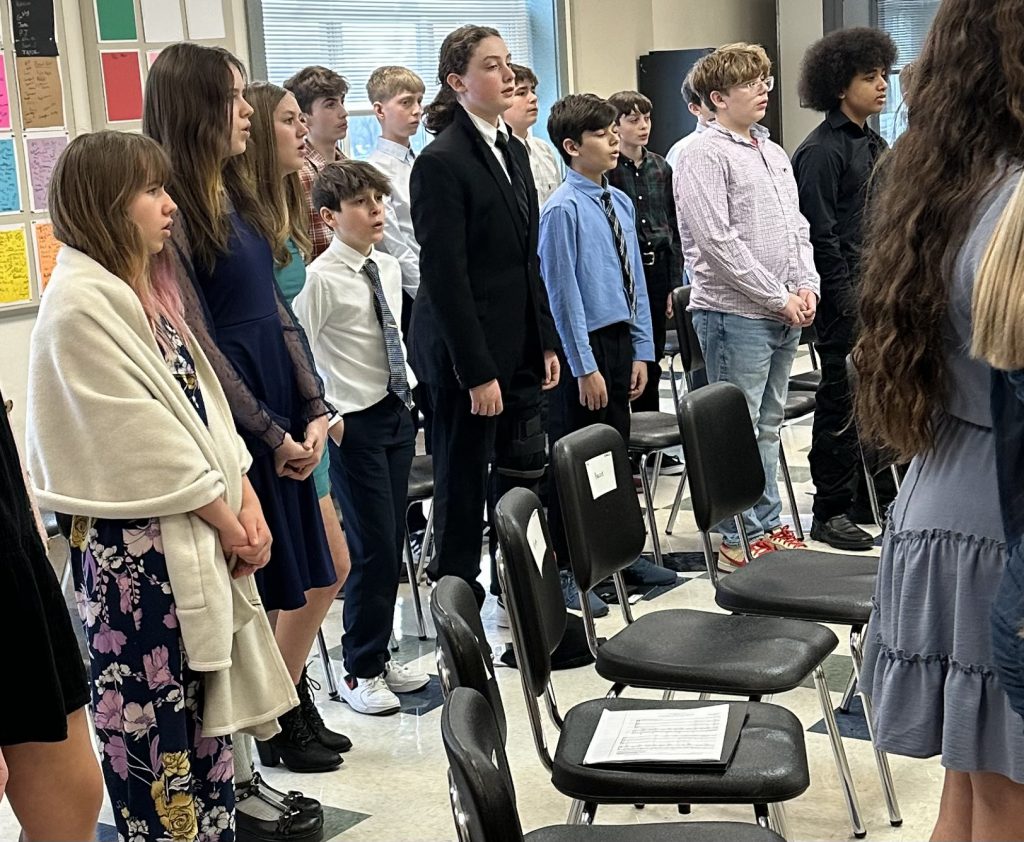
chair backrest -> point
(483, 796)
(604, 526)
(689, 346)
(725, 472)
(533, 591)
(808, 335)
(465, 653)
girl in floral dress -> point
(130, 434)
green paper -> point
(116, 20)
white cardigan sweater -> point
(111, 434)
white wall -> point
(800, 24)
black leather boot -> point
(296, 747)
(323, 735)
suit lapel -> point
(490, 161)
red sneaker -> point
(731, 557)
(784, 538)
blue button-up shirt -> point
(582, 272)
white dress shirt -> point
(547, 174)
(490, 136)
(672, 156)
(395, 161)
(336, 309)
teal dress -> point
(291, 278)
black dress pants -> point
(658, 280)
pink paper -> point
(5, 103)
(42, 154)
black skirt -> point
(44, 673)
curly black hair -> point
(830, 64)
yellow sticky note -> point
(14, 284)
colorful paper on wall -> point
(116, 19)
(151, 57)
(161, 21)
(5, 101)
(42, 154)
(10, 194)
(205, 19)
(40, 94)
(122, 85)
(47, 247)
(14, 285)
(34, 32)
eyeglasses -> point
(754, 84)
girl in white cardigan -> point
(130, 433)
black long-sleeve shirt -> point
(833, 169)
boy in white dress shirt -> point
(521, 117)
(350, 308)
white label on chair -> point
(601, 472)
(535, 538)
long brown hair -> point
(272, 203)
(456, 52)
(92, 189)
(966, 125)
(188, 112)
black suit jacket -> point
(480, 296)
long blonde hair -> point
(91, 192)
(998, 318)
(274, 204)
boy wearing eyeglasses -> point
(754, 282)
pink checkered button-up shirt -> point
(320, 233)
(747, 244)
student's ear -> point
(719, 101)
(455, 82)
(693, 109)
(327, 217)
(378, 110)
(571, 147)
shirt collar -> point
(759, 132)
(395, 150)
(348, 255)
(317, 160)
(487, 131)
(585, 185)
(838, 120)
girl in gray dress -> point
(929, 665)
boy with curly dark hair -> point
(845, 75)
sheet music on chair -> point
(660, 735)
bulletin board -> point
(34, 128)
(122, 38)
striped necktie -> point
(628, 281)
(398, 383)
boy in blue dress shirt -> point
(594, 274)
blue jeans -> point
(756, 355)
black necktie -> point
(398, 383)
(628, 281)
(514, 175)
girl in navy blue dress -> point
(195, 108)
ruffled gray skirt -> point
(928, 653)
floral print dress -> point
(166, 782)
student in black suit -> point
(481, 325)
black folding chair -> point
(484, 800)
(726, 478)
(769, 731)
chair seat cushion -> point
(799, 404)
(805, 381)
(769, 764)
(719, 653)
(803, 585)
(663, 832)
(653, 431)
(421, 478)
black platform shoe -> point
(296, 747)
(323, 735)
(292, 799)
(291, 824)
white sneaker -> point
(400, 678)
(369, 695)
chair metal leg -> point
(849, 693)
(652, 524)
(797, 526)
(427, 548)
(414, 584)
(672, 382)
(575, 812)
(881, 758)
(668, 695)
(393, 644)
(325, 660)
(869, 482)
(839, 753)
(676, 504)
